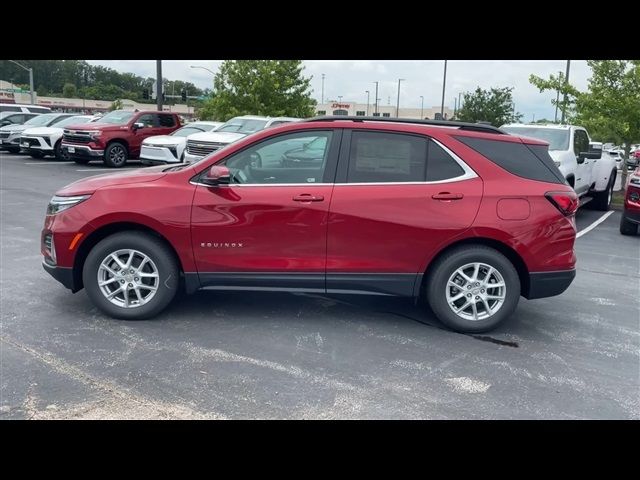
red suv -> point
(630, 218)
(465, 214)
(117, 136)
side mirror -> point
(138, 125)
(217, 175)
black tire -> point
(81, 161)
(602, 200)
(36, 154)
(445, 266)
(627, 227)
(59, 153)
(160, 254)
(116, 155)
(13, 149)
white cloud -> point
(351, 78)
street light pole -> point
(455, 106)
(398, 102)
(444, 84)
(30, 70)
(566, 83)
(322, 98)
(376, 109)
(367, 92)
(421, 107)
(159, 85)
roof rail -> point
(476, 127)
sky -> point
(350, 79)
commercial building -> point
(362, 109)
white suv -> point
(41, 141)
(161, 149)
(199, 145)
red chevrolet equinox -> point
(464, 214)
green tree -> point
(69, 90)
(259, 87)
(494, 106)
(567, 93)
(116, 105)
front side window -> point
(146, 120)
(41, 120)
(292, 158)
(377, 157)
(580, 142)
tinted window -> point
(167, 121)
(440, 165)
(17, 118)
(283, 159)
(580, 142)
(146, 120)
(386, 157)
(516, 158)
(6, 108)
(39, 109)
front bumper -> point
(63, 275)
(34, 144)
(82, 151)
(549, 284)
(157, 155)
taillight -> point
(566, 202)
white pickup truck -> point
(591, 174)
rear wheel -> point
(473, 288)
(627, 227)
(116, 155)
(131, 275)
(602, 200)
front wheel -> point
(602, 200)
(59, 152)
(116, 155)
(627, 227)
(473, 289)
(131, 276)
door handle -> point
(306, 197)
(447, 196)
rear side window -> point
(377, 157)
(39, 109)
(440, 165)
(516, 158)
(167, 121)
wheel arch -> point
(513, 256)
(119, 140)
(107, 230)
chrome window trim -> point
(468, 174)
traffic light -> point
(145, 94)
(184, 95)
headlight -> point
(59, 204)
(95, 133)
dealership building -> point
(362, 109)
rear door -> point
(397, 199)
(166, 123)
(584, 167)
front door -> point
(584, 167)
(268, 227)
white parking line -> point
(595, 224)
(46, 163)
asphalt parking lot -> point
(226, 355)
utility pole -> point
(421, 107)
(322, 98)
(444, 84)
(398, 102)
(376, 109)
(367, 92)
(159, 84)
(455, 106)
(30, 70)
(459, 100)
(566, 83)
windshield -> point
(242, 125)
(184, 131)
(41, 119)
(558, 139)
(72, 120)
(117, 117)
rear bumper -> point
(62, 274)
(549, 284)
